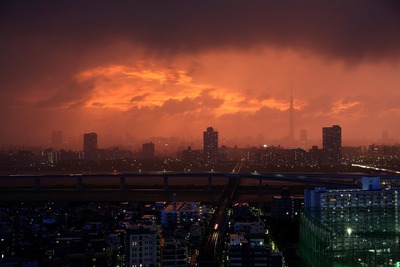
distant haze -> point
(172, 68)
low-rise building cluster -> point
(128, 234)
(249, 243)
(97, 234)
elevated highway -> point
(191, 186)
(120, 178)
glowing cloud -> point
(123, 87)
(343, 106)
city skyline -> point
(172, 69)
(170, 144)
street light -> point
(349, 231)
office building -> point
(90, 146)
(332, 145)
(191, 156)
(251, 251)
(148, 150)
(286, 206)
(143, 246)
(314, 156)
(303, 139)
(350, 227)
(291, 123)
(174, 252)
(270, 155)
(250, 228)
(182, 212)
(223, 153)
(210, 146)
(56, 139)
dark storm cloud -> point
(69, 93)
(45, 44)
(348, 29)
(57, 38)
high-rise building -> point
(385, 137)
(174, 252)
(350, 227)
(286, 206)
(148, 150)
(332, 144)
(303, 139)
(182, 212)
(56, 139)
(251, 250)
(291, 122)
(143, 246)
(191, 156)
(90, 146)
(210, 146)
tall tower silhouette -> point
(90, 150)
(332, 144)
(210, 146)
(291, 120)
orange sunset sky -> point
(172, 68)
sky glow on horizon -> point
(161, 68)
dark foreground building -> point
(351, 227)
